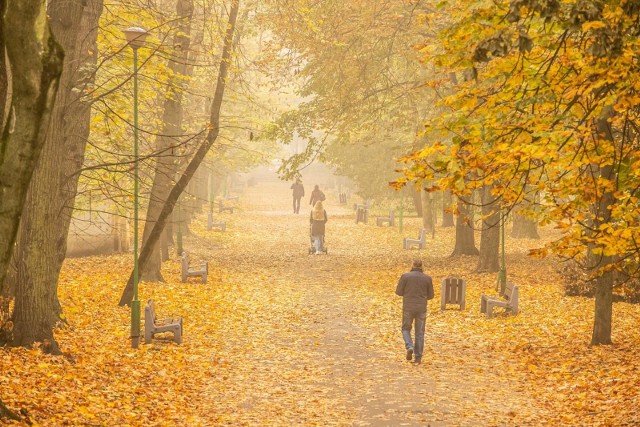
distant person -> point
(298, 193)
(316, 196)
(415, 288)
(318, 219)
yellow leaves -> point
(539, 252)
(281, 338)
(593, 25)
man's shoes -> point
(417, 361)
(410, 354)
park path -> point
(315, 340)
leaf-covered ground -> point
(281, 338)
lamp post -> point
(135, 38)
(501, 283)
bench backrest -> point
(423, 235)
(453, 290)
(392, 214)
(511, 293)
(149, 313)
(185, 261)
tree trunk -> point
(417, 202)
(170, 230)
(164, 245)
(524, 228)
(603, 313)
(42, 238)
(35, 63)
(427, 212)
(604, 284)
(7, 413)
(489, 260)
(465, 239)
(166, 165)
(194, 164)
(447, 213)
(5, 83)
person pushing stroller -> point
(318, 219)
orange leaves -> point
(278, 337)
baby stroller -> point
(312, 246)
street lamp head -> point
(135, 36)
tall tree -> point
(524, 227)
(34, 66)
(488, 261)
(465, 236)
(35, 63)
(427, 211)
(447, 212)
(169, 138)
(536, 119)
(357, 84)
(211, 137)
(42, 238)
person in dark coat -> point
(318, 219)
(316, 196)
(415, 288)
(298, 193)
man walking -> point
(415, 288)
(298, 193)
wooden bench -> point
(196, 270)
(510, 302)
(222, 207)
(453, 292)
(342, 197)
(153, 326)
(391, 220)
(362, 213)
(210, 224)
(407, 243)
(230, 197)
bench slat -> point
(452, 292)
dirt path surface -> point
(315, 340)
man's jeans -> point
(408, 317)
(296, 204)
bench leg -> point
(490, 308)
(177, 335)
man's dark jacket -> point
(415, 288)
(298, 189)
